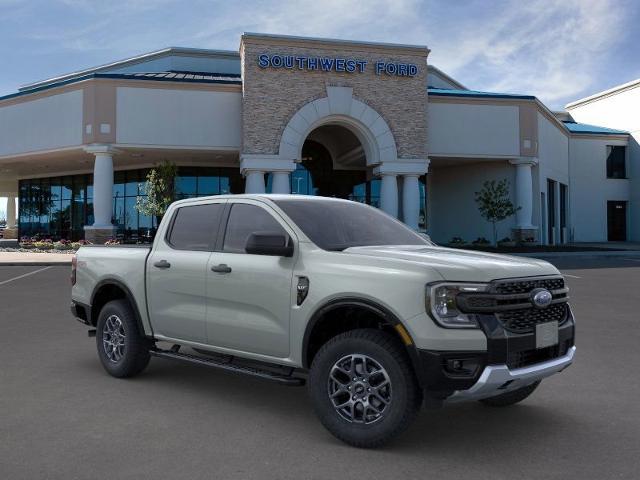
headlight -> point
(443, 306)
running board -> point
(228, 366)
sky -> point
(558, 50)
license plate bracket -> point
(546, 334)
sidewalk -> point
(31, 258)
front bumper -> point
(498, 379)
(509, 356)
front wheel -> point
(123, 350)
(363, 388)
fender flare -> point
(128, 295)
(370, 305)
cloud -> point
(551, 49)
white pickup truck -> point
(373, 316)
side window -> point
(196, 227)
(616, 161)
(243, 221)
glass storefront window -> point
(60, 207)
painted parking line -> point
(25, 275)
(572, 276)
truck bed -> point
(124, 264)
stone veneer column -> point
(102, 228)
(524, 197)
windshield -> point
(335, 225)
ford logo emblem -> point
(541, 298)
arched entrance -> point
(338, 146)
(333, 164)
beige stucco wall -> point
(272, 96)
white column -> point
(411, 200)
(389, 194)
(254, 181)
(524, 192)
(103, 190)
(281, 183)
(11, 211)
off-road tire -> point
(511, 398)
(135, 353)
(406, 395)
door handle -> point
(162, 264)
(222, 268)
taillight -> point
(74, 268)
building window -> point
(616, 161)
(60, 207)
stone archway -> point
(340, 108)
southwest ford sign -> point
(331, 64)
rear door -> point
(177, 271)
(249, 296)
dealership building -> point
(371, 122)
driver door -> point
(249, 297)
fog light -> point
(463, 367)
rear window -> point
(333, 225)
(196, 227)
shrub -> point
(481, 241)
(457, 241)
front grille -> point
(525, 320)
(525, 286)
(511, 302)
(531, 357)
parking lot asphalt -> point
(63, 417)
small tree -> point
(160, 190)
(494, 203)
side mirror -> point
(269, 243)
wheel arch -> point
(113, 289)
(369, 314)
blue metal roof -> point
(575, 127)
(187, 77)
(444, 92)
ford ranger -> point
(375, 318)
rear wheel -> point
(363, 388)
(511, 398)
(123, 350)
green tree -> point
(160, 190)
(494, 203)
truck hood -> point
(461, 265)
